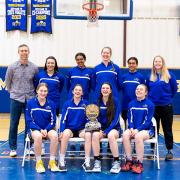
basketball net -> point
(92, 9)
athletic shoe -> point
(86, 166)
(62, 166)
(97, 166)
(40, 167)
(30, 152)
(13, 153)
(169, 155)
(126, 166)
(72, 150)
(52, 166)
(115, 167)
(137, 167)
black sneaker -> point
(169, 155)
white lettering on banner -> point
(18, 11)
(41, 11)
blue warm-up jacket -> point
(111, 74)
(73, 116)
(40, 117)
(160, 92)
(140, 115)
(129, 83)
(55, 85)
(103, 117)
(82, 76)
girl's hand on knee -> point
(44, 133)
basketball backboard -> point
(112, 9)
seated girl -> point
(41, 120)
(110, 127)
(73, 121)
(140, 113)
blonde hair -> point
(40, 85)
(165, 76)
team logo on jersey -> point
(136, 79)
(56, 77)
(48, 107)
(145, 106)
(83, 105)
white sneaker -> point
(31, 152)
(62, 166)
(13, 153)
(97, 166)
(115, 167)
(86, 166)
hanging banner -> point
(41, 16)
(16, 15)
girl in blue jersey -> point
(140, 128)
(73, 121)
(162, 87)
(53, 79)
(79, 75)
(109, 119)
(106, 71)
(129, 83)
(41, 120)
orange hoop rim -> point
(100, 8)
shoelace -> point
(97, 164)
(115, 165)
(62, 163)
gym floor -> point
(11, 168)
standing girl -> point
(53, 79)
(162, 87)
(106, 71)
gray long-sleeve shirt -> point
(19, 80)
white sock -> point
(52, 157)
(62, 156)
(38, 158)
(87, 159)
(42, 145)
(129, 158)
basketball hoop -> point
(92, 9)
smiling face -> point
(141, 92)
(23, 52)
(80, 61)
(50, 64)
(158, 63)
(77, 92)
(42, 92)
(106, 90)
(132, 65)
(106, 54)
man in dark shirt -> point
(19, 82)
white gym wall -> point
(148, 34)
